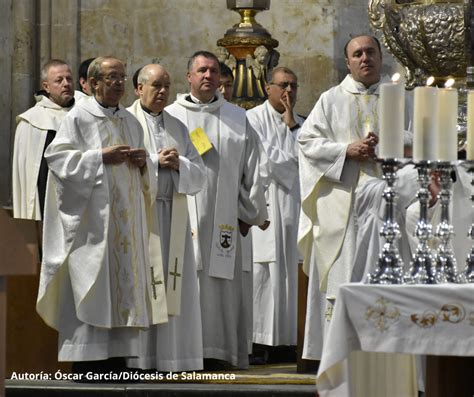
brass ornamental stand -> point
(253, 49)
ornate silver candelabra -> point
(446, 271)
(389, 268)
(467, 276)
(422, 269)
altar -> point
(433, 320)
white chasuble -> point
(328, 226)
(96, 230)
(342, 115)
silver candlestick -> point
(389, 268)
(467, 276)
(446, 271)
(422, 265)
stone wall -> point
(311, 34)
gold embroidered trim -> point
(451, 312)
(383, 314)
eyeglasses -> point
(286, 84)
(113, 78)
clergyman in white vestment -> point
(99, 286)
(233, 199)
(275, 253)
(337, 147)
(35, 130)
(176, 345)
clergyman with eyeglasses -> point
(275, 253)
(99, 284)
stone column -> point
(17, 32)
(58, 31)
(44, 32)
(65, 40)
(5, 98)
(23, 69)
(31, 32)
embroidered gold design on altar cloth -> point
(450, 312)
(383, 314)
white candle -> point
(470, 126)
(392, 120)
(424, 126)
(446, 124)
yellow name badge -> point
(200, 141)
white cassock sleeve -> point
(78, 169)
(282, 164)
(252, 203)
(321, 153)
(191, 176)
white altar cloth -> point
(414, 319)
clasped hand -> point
(169, 158)
(119, 154)
(363, 149)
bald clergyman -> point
(179, 172)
